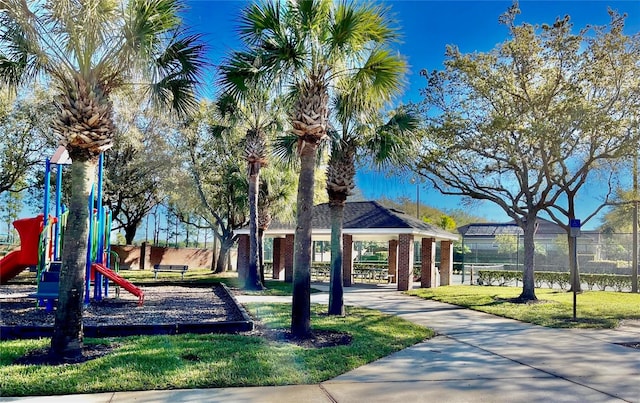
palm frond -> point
(226, 105)
(20, 56)
(238, 72)
(179, 70)
(183, 56)
(272, 51)
(392, 143)
(376, 22)
(216, 131)
(82, 30)
(312, 16)
(381, 75)
(147, 22)
(260, 21)
(105, 44)
(282, 55)
(284, 149)
(354, 28)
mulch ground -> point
(162, 305)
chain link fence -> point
(597, 253)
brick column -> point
(405, 262)
(288, 258)
(446, 262)
(243, 257)
(428, 266)
(347, 259)
(278, 257)
(392, 260)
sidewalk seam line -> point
(326, 392)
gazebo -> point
(365, 221)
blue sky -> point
(427, 27)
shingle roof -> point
(368, 215)
(489, 229)
(545, 227)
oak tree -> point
(523, 125)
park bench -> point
(174, 268)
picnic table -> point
(372, 274)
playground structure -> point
(41, 244)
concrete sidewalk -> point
(474, 358)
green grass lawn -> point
(595, 309)
(202, 361)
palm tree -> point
(361, 132)
(277, 188)
(259, 114)
(305, 46)
(87, 50)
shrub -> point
(502, 277)
(551, 278)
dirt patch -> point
(318, 339)
(89, 352)
(519, 300)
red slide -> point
(12, 264)
(121, 281)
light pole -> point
(417, 183)
(418, 200)
(634, 263)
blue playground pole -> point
(47, 179)
(47, 190)
(100, 232)
(107, 245)
(108, 219)
(58, 225)
(87, 294)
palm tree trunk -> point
(67, 340)
(261, 254)
(253, 275)
(336, 290)
(301, 303)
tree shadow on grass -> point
(42, 356)
(496, 301)
(582, 322)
